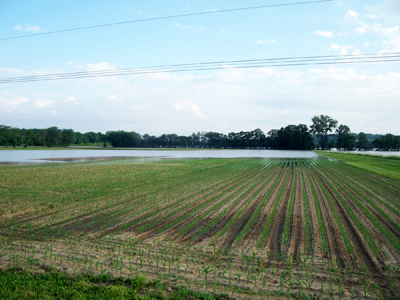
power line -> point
(217, 65)
(163, 18)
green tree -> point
(91, 137)
(321, 127)
(68, 137)
(5, 135)
(214, 139)
(53, 136)
(102, 139)
(345, 140)
(396, 142)
(291, 137)
(123, 139)
(362, 141)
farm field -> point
(388, 165)
(247, 228)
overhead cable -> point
(162, 18)
(217, 65)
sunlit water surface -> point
(43, 156)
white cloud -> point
(372, 17)
(246, 113)
(70, 99)
(342, 50)
(43, 102)
(387, 10)
(97, 66)
(351, 14)
(114, 98)
(12, 104)
(28, 28)
(224, 31)
(337, 74)
(391, 34)
(188, 27)
(262, 42)
(328, 34)
(189, 106)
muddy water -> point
(41, 156)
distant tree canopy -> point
(123, 139)
(362, 142)
(291, 137)
(345, 140)
(244, 139)
(387, 142)
(322, 126)
(50, 137)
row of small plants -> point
(246, 271)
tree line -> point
(324, 133)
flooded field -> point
(41, 156)
(248, 227)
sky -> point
(365, 97)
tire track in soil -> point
(317, 247)
(250, 241)
(380, 241)
(333, 243)
(263, 251)
(274, 244)
(389, 251)
(296, 243)
(362, 253)
(245, 217)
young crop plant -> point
(267, 228)
(241, 210)
(286, 231)
(308, 233)
(320, 219)
(345, 235)
(395, 242)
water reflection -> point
(45, 156)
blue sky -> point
(363, 96)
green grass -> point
(19, 284)
(388, 166)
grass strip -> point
(388, 166)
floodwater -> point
(383, 153)
(45, 156)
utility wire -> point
(163, 18)
(217, 65)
